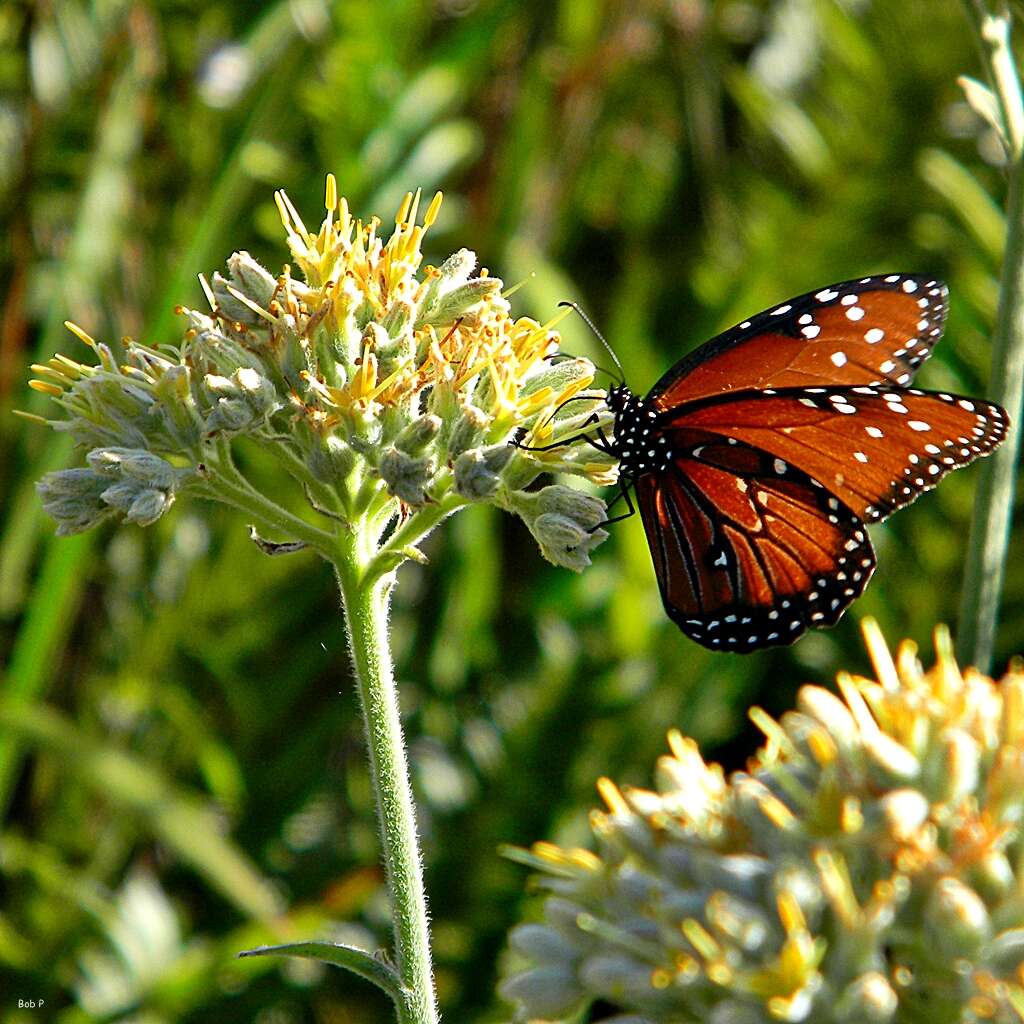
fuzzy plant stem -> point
(366, 600)
(990, 528)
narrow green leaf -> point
(356, 960)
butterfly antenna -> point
(600, 337)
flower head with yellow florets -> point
(389, 391)
(868, 866)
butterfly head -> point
(619, 397)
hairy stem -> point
(993, 510)
(366, 602)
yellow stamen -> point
(878, 651)
(49, 371)
(391, 378)
(433, 209)
(31, 416)
(403, 211)
(777, 812)
(613, 798)
(851, 818)
(207, 291)
(701, 940)
(246, 301)
(46, 388)
(80, 334)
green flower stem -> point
(411, 532)
(298, 470)
(993, 510)
(366, 598)
(232, 487)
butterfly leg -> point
(521, 433)
(624, 493)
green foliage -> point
(675, 167)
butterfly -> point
(758, 459)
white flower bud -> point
(134, 463)
(869, 999)
(541, 943)
(252, 281)
(549, 991)
(72, 498)
(149, 505)
(958, 919)
(460, 301)
(406, 476)
(416, 436)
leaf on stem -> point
(366, 965)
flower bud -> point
(134, 463)
(563, 542)
(959, 922)
(619, 977)
(149, 505)
(459, 301)
(249, 278)
(559, 376)
(72, 498)
(564, 916)
(584, 509)
(541, 943)
(415, 437)
(331, 461)
(229, 415)
(406, 476)
(869, 999)
(454, 271)
(398, 322)
(257, 390)
(139, 504)
(476, 472)
(549, 991)
(468, 430)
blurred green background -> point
(181, 761)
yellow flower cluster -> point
(381, 385)
(868, 866)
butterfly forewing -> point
(874, 330)
(747, 555)
(873, 448)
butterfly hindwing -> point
(747, 555)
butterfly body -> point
(758, 459)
